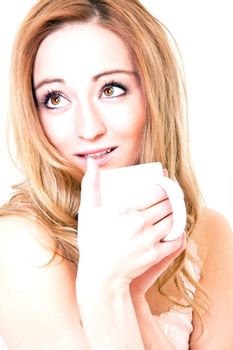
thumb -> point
(90, 185)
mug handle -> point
(176, 197)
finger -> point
(157, 212)
(180, 243)
(148, 197)
(163, 253)
(162, 228)
(175, 250)
(155, 233)
(90, 185)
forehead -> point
(87, 49)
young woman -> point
(94, 86)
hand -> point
(140, 285)
(118, 245)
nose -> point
(89, 120)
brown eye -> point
(113, 90)
(55, 100)
(109, 91)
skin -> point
(90, 118)
(111, 292)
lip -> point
(102, 159)
(97, 150)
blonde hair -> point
(51, 192)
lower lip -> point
(102, 160)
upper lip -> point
(99, 150)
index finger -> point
(90, 185)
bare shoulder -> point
(22, 237)
(37, 294)
(27, 249)
(213, 235)
(215, 246)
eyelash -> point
(114, 83)
(51, 93)
(45, 98)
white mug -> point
(123, 187)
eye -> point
(113, 89)
(55, 100)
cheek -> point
(136, 115)
(127, 120)
(56, 129)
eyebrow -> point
(49, 81)
(93, 79)
(114, 71)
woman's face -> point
(89, 96)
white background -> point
(204, 33)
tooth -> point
(99, 154)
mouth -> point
(101, 155)
(97, 154)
